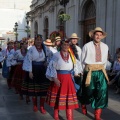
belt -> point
(94, 67)
(38, 63)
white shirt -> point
(89, 55)
(78, 51)
(53, 49)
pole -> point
(64, 23)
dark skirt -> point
(18, 77)
(11, 73)
(78, 81)
(37, 86)
(0, 65)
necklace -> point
(65, 56)
(39, 49)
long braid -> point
(74, 49)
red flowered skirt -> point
(18, 77)
(63, 97)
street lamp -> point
(63, 2)
(15, 30)
(27, 27)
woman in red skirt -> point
(62, 93)
(19, 74)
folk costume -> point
(19, 73)
(57, 39)
(49, 44)
(77, 53)
(94, 85)
(36, 62)
(63, 97)
(8, 70)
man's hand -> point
(31, 75)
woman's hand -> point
(57, 82)
(31, 75)
(77, 75)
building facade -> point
(85, 16)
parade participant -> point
(19, 74)
(49, 44)
(35, 83)
(95, 79)
(16, 45)
(30, 43)
(7, 71)
(75, 48)
(57, 43)
(77, 52)
(62, 94)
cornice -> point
(40, 7)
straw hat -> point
(48, 42)
(74, 36)
(97, 29)
(58, 38)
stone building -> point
(85, 15)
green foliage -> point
(16, 34)
(64, 17)
(28, 30)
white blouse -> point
(53, 49)
(88, 54)
(8, 55)
(57, 63)
(34, 55)
(18, 55)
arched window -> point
(35, 29)
(46, 28)
(89, 19)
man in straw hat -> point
(77, 53)
(49, 44)
(76, 49)
(94, 85)
(57, 43)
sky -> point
(15, 4)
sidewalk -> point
(11, 108)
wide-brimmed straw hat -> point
(74, 36)
(48, 42)
(97, 29)
(58, 38)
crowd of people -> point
(61, 74)
(113, 69)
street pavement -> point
(11, 108)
